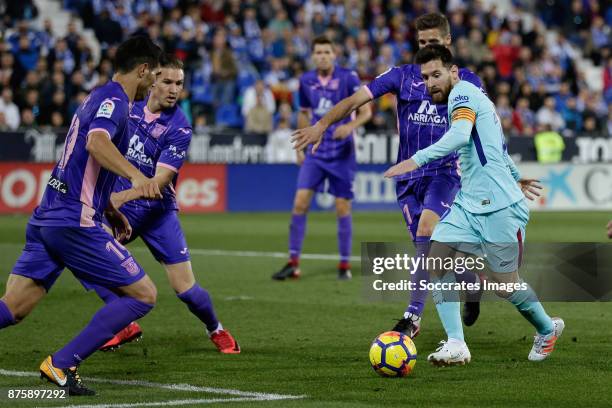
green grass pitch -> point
(309, 337)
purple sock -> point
(6, 317)
(345, 236)
(199, 302)
(106, 295)
(297, 229)
(107, 321)
(419, 296)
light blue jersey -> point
(488, 175)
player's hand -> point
(342, 132)
(301, 138)
(610, 229)
(530, 188)
(119, 224)
(146, 187)
(401, 168)
(300, 157)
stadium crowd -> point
(243, 57)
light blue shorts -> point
(496, 236)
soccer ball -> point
(393, 354)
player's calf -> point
(22, 295)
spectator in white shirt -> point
(9, 109)
(250, 98)
(547, 115)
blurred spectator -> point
(259, 118)
(279, 148)
(523, 118)
(62, 53)
(57, 119)
(523, 55)
(28, 120)
(549, 145)
(572, 117)
(9, 110)
(547, 115)
(258, 90)
(108, 31)
(224, 70)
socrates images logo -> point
(427, 114)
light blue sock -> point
(527, 303)
(448, 307)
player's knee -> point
(151, 295)
(147, 294)
(343, 208)
(425, 230)
(300, 207)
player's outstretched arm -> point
(314, 134)
(163, 177)
(364, 114)
(106, 154)
(456, 137)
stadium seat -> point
(229, 115)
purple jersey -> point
(160, 139)
(319, 95)
(79, 188)
(420, 122)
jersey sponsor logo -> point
(136, 152)
(427, 114)
(106, 109)
(176, 153)
(58, 185)
(461, 98)
(323, 107)
(417, 84)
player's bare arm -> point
(303, 119)
(163, 177)
(314, 134)
(106, 154)
(364, 113)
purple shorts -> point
(160, 230)
(340, 175)
(92, 254)
(434, 193)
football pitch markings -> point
(224, 252)
(235, 395)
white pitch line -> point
(224, 252)
(242, 395)
(163, 403)
(166, 403)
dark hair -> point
(433, 20)
(170, 61)
(135, 51)
(322, 40)
(434, 52)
